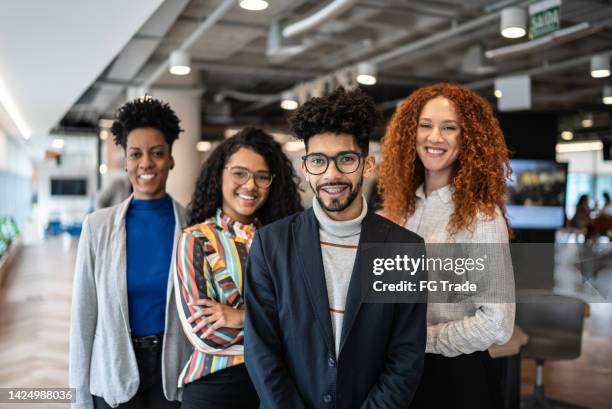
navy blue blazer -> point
(289, 343)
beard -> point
(338, 205)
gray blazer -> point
(102, 359)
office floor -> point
(34, 328)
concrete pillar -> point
(187, 105)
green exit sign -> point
(544, 18)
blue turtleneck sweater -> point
(150, 237)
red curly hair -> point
(480, 172)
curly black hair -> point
(283, 199)
(349, 112)
(145, 112)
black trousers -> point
(230, 388)
(465, 381)
(150, 393)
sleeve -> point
(263, 347)
(83, 319)
(493, 321)
(193, 281)
(401, 375)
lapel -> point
(119, 244)
(372, 231)
(306, 237)
(179, 224)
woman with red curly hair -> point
(443, 175)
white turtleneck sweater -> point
(339, 240)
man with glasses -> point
(310, 340)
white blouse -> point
(469, 326)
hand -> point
(219, 315)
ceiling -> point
(48, 57)
(413, 43)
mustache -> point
(335, 184)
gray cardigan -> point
(102, 360)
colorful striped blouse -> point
(211, 258)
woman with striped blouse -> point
(247, 182)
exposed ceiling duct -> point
(474, 61)
(280, 46)
(321, 16)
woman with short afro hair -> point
(443, 175)
(126, 343)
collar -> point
(227, 223)
(445, 193)
(337, 228)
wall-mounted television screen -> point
(536, 197)
(69, 187)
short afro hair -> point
(145, 112)
(341, 112)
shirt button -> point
(331, 361)
(327, 398)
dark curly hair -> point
(145, 112)
(481, 171)
(283, 198)
(352, 112)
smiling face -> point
(148, 162)
(437, 139)
(242, 201)
(337, 191)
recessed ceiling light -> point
(254, 5)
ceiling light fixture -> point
(579, 147)
(607, 95)
(366, 73)
(10, 106)
(253, 5)
(58, 143)
(180, 63)
(204, 146)
(288, 101)
(600, 66)
(513, 22)
(498, 93)
(567, 135)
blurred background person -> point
(116, 192)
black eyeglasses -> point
(241, 175)
(346, 162)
